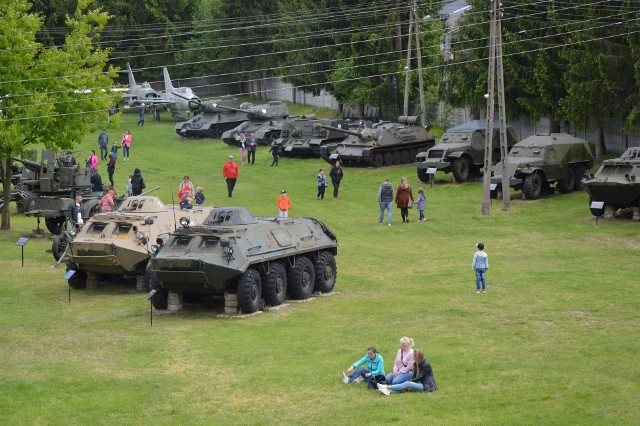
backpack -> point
(373, 383)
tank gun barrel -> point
(150, 190)
(31, 165)
(337, 129)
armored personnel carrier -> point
(265, 121)
(616, 184)
(461, 150)
(117, 243)
(541, 160)
(303, 137)
(254, 257)
(213, 118)
(50, 185)
(384, 144)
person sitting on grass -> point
(403, 362)
(421, 378)
(374, 371)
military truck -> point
(461, 150)
(542, 160)
(384, 144)
(265, 121)
(117, 243)
(303, 136)
(212, 118)
(615, 185)
(253, 257)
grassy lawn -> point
(550, 343)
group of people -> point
(247, 146)
(403, 198)
(186, 194)
(410, 372)
(110, 157)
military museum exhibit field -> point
(552, 341)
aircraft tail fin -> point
(168, 87)
(132, 80)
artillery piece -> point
(302, 137)
(265, 121)
(380, 144)
(214, 117)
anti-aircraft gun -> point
(214, 117)
(265, 121)
(380, 144)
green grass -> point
(552, 342)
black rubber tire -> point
(406, 157)
(378, 159)
(388, 158)
(58, 246)
(274, 284)
(29, 202)
(397, 157)
(566, 186)
(77, 280)
(578, 172)
(423, 176)
(301, 279)
(532, 186)
(326, 272)
(160, 300)
(249, 291)
(460, 169)
(54, 224)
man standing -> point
(75, 212)
(230, 174)
(336, 176)
(141, 112)
(103, 144)
(274, 151)
(252, 149)
(385, 198)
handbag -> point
(410, 203)
(373, 383)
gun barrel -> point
(31, 165)
(151, 190)
(337, 129)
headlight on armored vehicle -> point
(154, 249)
(185, 222)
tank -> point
(384, 144)
(213, 118)
(615, 185)
(47, 187)
(461, 150)
(117, 243)
(254, 258)
(303, 136)
(539, 161)
(264, 120)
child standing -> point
(129, 186)
(422, 204)
(199, 196)
(480, 265)
(322, 184)
(283, 204)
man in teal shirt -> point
(374, 364)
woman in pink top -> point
(92, 161)
(126, 144)
(403, 363)
(106, 203)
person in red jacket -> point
(230, 173)
(283, 204)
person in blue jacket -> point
(375, 367)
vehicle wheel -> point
(54, 224)
(566, 186)
(578, 172)
(461, 169)
(397, 157)
(274, 284)
(160, 300)
(406, 157)
(30, 203)
(301, 279)
(532, 186)
(79, 279)
(596, 212)
(249, 291)
(423, 176)
(378, 159)
(215, 132)
(388, 158)
(325, 270)
(59, 245)
(413, 153)
(272, 137)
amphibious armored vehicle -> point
(213, 119)
(117, 243)
(616, 184)
(265, 121)
(384, 144)
(461, 150)
(254, 257)
(303, 137)
(541, 160)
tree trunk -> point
(5, 170)
(601, 148)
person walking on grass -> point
(322, 184)
(336, 175)
(284, 204)
(111, 168)
(230, 173)
(126, 145)
(479, 265)
(421, 202)
(421, 378)
(374, 371)
(385, 198)
(404, 195)
(274, 150)
(103, 144)
(251, 149)
(141, 114)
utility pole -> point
(407, 69)
(423, 117)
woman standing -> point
(243, 147)
(421, 378)
(403, 195)
(403, 363)
(126, 144)
(111, 168)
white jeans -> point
(283, 213)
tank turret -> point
(265, 121)
(303, 136)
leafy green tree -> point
(49, 96)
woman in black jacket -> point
(137, 183)
(421, 377)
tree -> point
(50, 96)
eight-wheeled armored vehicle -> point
(254, 257)
(265, 121)
(303, 137)
(213, 119)
(541, 160)
(616, 184)
(384, 144)
(461, 150)
(117, 243)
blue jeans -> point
(359, 372)
(400, 378)
(385, 205)
(407, 385)
(480, 279)
(421, 214)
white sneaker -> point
(358, 380)
(381, 386)
(385, 391)
(484, 291)
(344, 377)
(478, 291)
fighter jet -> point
(138, 92)
(174, 99)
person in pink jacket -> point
(106, 202)
(403, 363)
(126, 144)
(92, 161)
